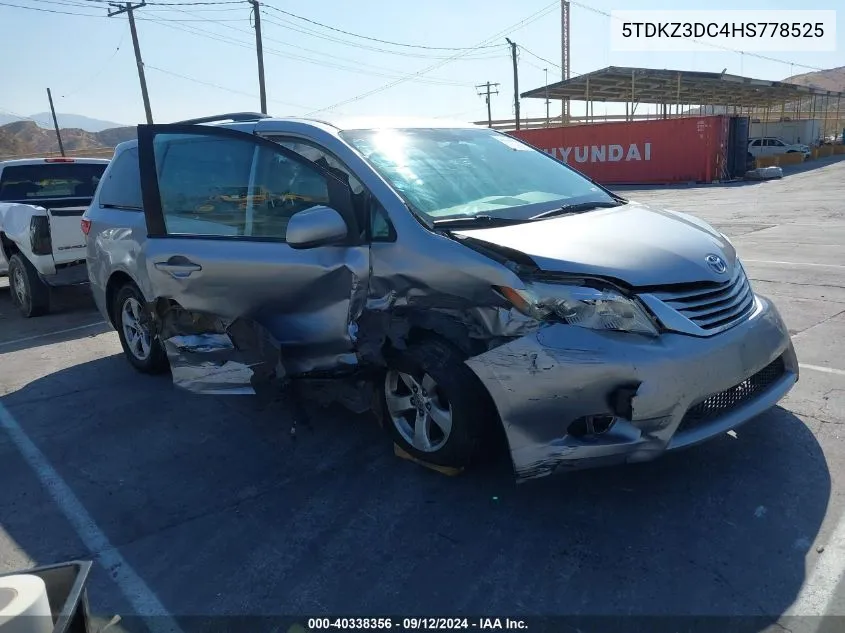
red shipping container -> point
(639, 152)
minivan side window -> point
(219, 186)
(367, 207)
(121, 187)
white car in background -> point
(772, 145)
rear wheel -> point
(30, 294)
(132, 321)
(434, 406)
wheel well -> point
(8, 246)
(457, 337)
(117, 280)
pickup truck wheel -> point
(30, 294)
(142, 349)
(435, 408)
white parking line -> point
(827, 370)
(143, 600)
(818, 592)
(768, 261)
(49, 334)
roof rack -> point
(231, 116)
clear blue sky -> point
(78, 56)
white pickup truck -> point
(41, 240)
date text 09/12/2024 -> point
(416, 624)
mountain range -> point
(831, 79)
(27, 138)
(76, 121)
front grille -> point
(712, 305)
(726, 401)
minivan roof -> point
(339, 123)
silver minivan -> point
(451, 278)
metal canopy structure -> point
(652, 85)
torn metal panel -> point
(550, 379)
(210, 355)
(442, 275)
(306, 299)
(472, 330)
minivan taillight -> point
(86, 226)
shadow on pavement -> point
(72, 315)
(221, 513)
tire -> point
(30, 294)
(444, 384)
(143, 351)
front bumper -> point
(543, 382)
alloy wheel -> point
(19, 284)
(418, 410)
(136, 331)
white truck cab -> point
(41, 240)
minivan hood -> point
(635, 243)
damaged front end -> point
(572, 398)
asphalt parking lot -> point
(200, 505)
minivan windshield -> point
(465, 172)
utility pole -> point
(256, 10)
(564, 56)
(55, 122)
(546, 70)
(128, 8)
(515, 81)
(486, 94)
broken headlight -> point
(581, 306)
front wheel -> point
(141, 347)
(434, 406)
(30, 294)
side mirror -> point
(317, 226)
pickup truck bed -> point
(41, 238)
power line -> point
(534, 16)
(65, 3)
(20, 116)
(203, 9)
(542, 59)
(703, 43)
(180, 4)
(382, 69)
(43, 10)
(328, 38)
(82, 85)
(374, 39)
(358, 68)
(224, 88)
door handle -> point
(180, 270)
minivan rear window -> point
(121, 188)
(20, 183)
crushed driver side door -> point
(237, 307)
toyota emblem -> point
(716, 263)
